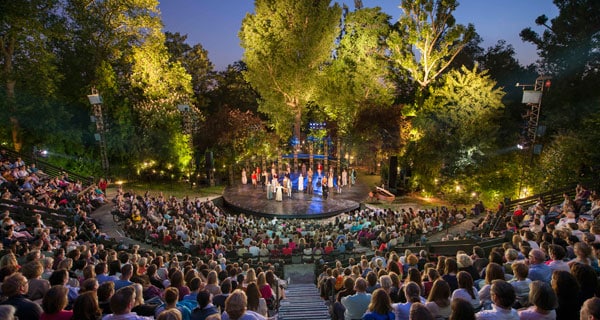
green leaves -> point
(427, 39)
(286, 44)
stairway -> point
(303, 302)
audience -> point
(551, 264)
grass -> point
(177, 189)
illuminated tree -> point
(426, 41)
(359, 76)
(286, 46)
(457, 128)
(195, 61)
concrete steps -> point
(303, 302)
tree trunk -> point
(15, 127)
(298, 124)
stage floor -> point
(247, 199)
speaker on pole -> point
(393, 172)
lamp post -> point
(95, 100)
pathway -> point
(303, 302)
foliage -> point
(456, 130)
(27, 69)
(570, 52)
(427, 39)
(195, 61)
(358, 76)
(286, 44)
(561, 160)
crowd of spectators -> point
(547, 272)
(60, 270)
(203, 228)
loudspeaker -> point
(208, 156)
(393, 171)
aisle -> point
(303, 302)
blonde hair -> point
(236, 304)
(170, 314)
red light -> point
(547, 84)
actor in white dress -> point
(244, 177)
(278, 193)
(301, 183)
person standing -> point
(278, 192)
(254, 177)
(102, 185)
(309, 182)
(244, 177)
(325, 187)
(301, 183)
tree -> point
(286, 45)
(456, 130)
(358, 77)
(196, 63)
(426, 40)
(570, 53)
(27, 62)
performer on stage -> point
(278, 193)
(301, 183)
(254, 177)
(344, 178)
(244, 177)
(288, 186)
(269, 191)
(325, 187)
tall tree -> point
(286, 45)
(359, 76)
(27, 61)
(426, 40)
(570, 52)
(448, 132)
(118, 47)
(195, 61)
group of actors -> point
(307, 181)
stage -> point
(247, 199)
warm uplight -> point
(458, 188)
(119, 182)
(474, 194)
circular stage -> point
(250, 200)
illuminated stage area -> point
(242, 198)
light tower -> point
(96, 101)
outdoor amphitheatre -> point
(355, 163)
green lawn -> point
(177, 189)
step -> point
(303, 302)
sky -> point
(215, 23)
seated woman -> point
(544, 302)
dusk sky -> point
(215, 24)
